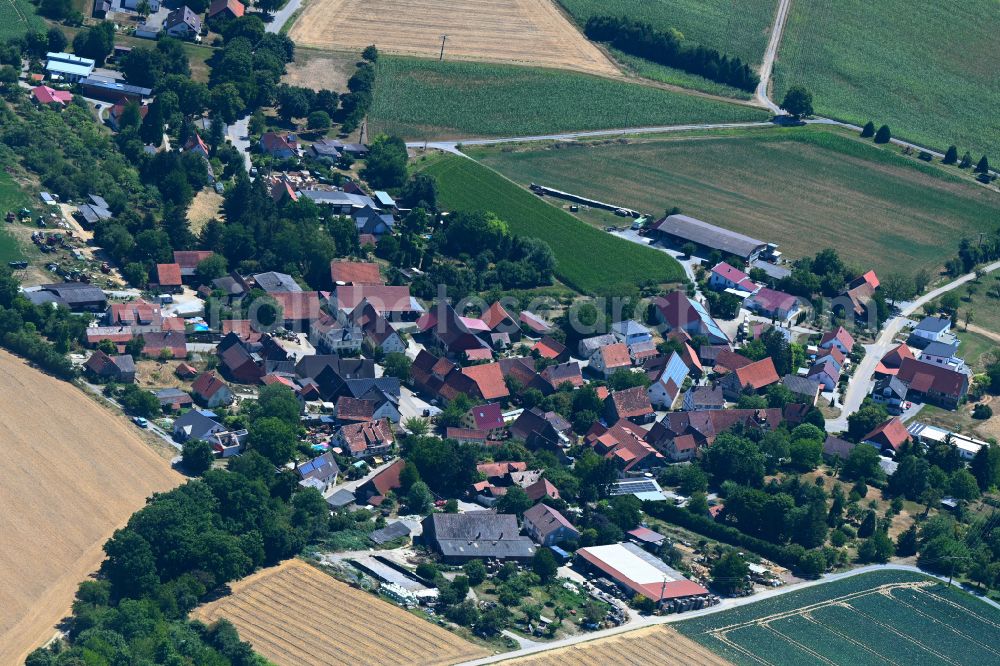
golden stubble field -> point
(526, 32)
(296, 615)
(653, 645)
(71, 472)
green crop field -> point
(426, 99)
(893, 617)
(587, 259)
(803, 188)
(16, 18)
(925, 68)
(737, 27)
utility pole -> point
(444, 38)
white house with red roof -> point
(838, 337)
(487, 418)
(725, 276)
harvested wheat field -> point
(71, 473)
(296, 615)
(527, 32)
(653, 645)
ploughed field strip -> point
(529, 32)
(295, 615)
(903, 622)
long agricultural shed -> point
(575, 198)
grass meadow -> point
(805, 189)
(879, 617)
(925, 68)
(11, 198)
(588, 260)
(426, 99)
(737, 27)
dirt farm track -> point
(71, 473)
(296, 615)
(653, 645)
(526, 32)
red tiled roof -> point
(889, 364)
(168, 275)
(658, 591)
(631, 403)
(467, 434)
(355, 272)
(728, 361)
(352, 409)
(207, 385)
(489, 379)
(841, 335)
(496, 315)
(770, 300)
(534, 322)
(234, 6)
(891, 433)
(360, 437)
(46, 95)
(541, 488)
(549, 348)
(758, 374)
(498, 469)
(383, 298)
(191, 258)
(487, 417)
(298, 305)
(923, 377)
(615, 356)
(480, 354)
(388, 479)
(240, 327)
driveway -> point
(237, 133)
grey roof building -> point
(683, 229)
(802, 387)
(273, 282)
(76, 296)
(197, 424)
(323, 469)
(391, 531)
(460, 537)
(771, 270)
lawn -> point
(805, 189)
(587, 259)
(17, 17)
(426, 99)
(893, 616)
(925, 68)
(736, 27)
(982, 299)
(11, 199)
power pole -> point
(444, 38)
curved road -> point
(861, 383)
(767, 66)
(726, 604)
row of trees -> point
(667, 48)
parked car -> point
(141, 422)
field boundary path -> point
(767, 65)
(860, 384)
(726, 604)
(280, 17)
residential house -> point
(548, 527)
(198, 424)
(632, 404)
(944, 354)
(857, 296)
(321, 472)
(550, 349)
(188, 261)
(275, 283)
(445, 329)
(676, 311)
(487, 418)
(247, 360)
(488, 380)
(631, 332)
(371, 220)
(557, 375)
(625, 444)
(533, 424)
(826, 373)
(279, 146)
(607, 360)
(501, 322)
(336, 335)
(775, 304)
(209, 390)
(587, 347)
(232, 9)
(374, 490)
(839, 338)
(377, 331)
(299, 309)
(890, 392)
(182, 23)
(355, 272)
(727, 361)
(45, 95)
(169, 344)
(723, 277)
(120, 369)
(541, 488)
(804, 389)
(363, 440)
(195, 144)
(756, 376)
(701, 398)
(934, 384)
(835, 447)
(888, 437)
(832, 355)
(664, 390)
(460, 537)
(705, 426)
(470, 436)
(392, 302)
(930, 329)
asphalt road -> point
(237, 134)
(861, 383)
(280, 17)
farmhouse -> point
(557, 375)
(678, 312)
(274, 283)
(758, 375)
(681, 229)
(888, 436)
(637, 572)
(374, 490)
(392, 302)
(119, 369)
(932, 383)
(703, 398)
(607, 360)
(632, 404)
(460, 537)
(724, 276)
(173, 399)
(363, 440)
